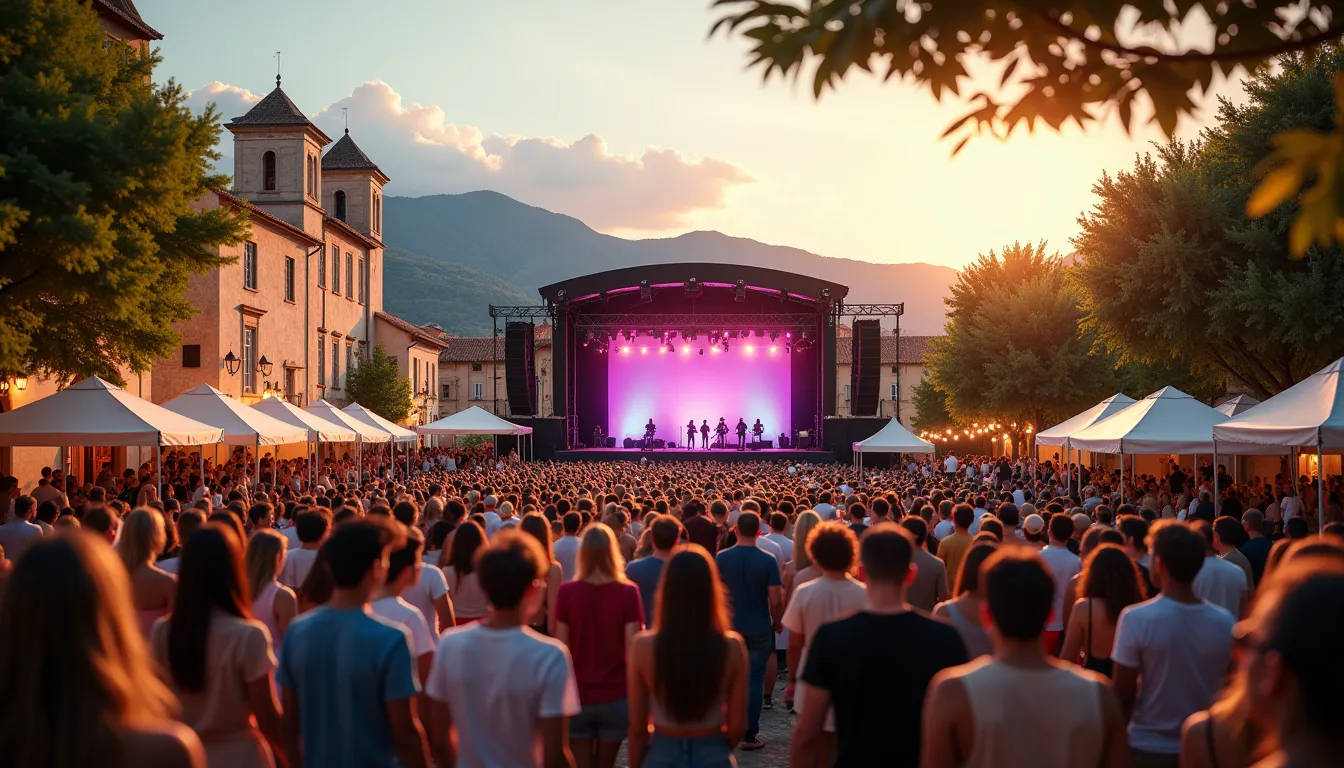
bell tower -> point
(353, 187)
(277, 161)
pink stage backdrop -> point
(645, 380)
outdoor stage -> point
(699, 454)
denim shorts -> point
(689, 752)
(609, 721)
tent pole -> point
(1122, 475)
(158, 468)
(258, 459)
(202, 452)
(1215, 478)
(1320, 487)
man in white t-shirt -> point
(312, 527)
(20, 531)
(403, 568)
(1291, 506)
(950, 465)
(501, 694)
(1220, 581)
(492, 518)
(823, 507)
(566, 548)
(1172, 652)
(1063, 565)
(779, 522)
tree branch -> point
(22, 280)
(1190, 57)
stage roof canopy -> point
(764, 279)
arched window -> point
(312, 178)
(377, 212)
(268, 171)
(339, 198)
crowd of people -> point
(479, 611)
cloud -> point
(657, 190)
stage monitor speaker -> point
(628, 443)
(611, 442)
(519, 376)
(865, 367)
(784, 442)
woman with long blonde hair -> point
(535, 525)
(152, 588)
(273, 603)
(74, 667)
(596, 615)
(802, 561)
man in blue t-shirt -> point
(757, 596)
(347, 676)
(665, 531)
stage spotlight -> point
(725, 346)
(588, 339)
(626, 350)
(685, 350)
(714, 350)
(774, 335)
(750, 349)
(732, 334)
(740, 291)
(651, 333)
(645, 292)
(773, 349)
(760, 333)
(788, 334)
(629, 335)
(787, 349)
(643, 350)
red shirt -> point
(701, 530)
(596, 615)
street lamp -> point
(20, 383)
(4, 387)
(264, 366)
(232, 363)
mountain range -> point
(450, 256)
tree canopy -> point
(1053, 63)
(377, 384)
(930, 406)
(1171, 268)
(98, 170)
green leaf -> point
(1277, 186)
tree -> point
(930, 407)
(1171, 270)
(98, 170)
(1053, 63)
(1013, 351)
(377, 384)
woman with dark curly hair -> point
(1110, 582)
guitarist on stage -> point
(722, 432)
(757, 430)
(741, 434)
(690, 433)
(704, 434)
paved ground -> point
(776, 730)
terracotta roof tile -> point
(913, 349)
(419, 333)
(126, 11)
(345, 155)
(476, 349)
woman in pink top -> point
(273, 603)
(457, 562)
(152, 589)
(217, 658)
(596, 616)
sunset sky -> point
(626, 116)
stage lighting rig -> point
(774, 335)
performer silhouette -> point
(722, 431)
(757, 430)
(690, 433)
(741, 434)
(599, 440)
(704, 434)
(650, 430)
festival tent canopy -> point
(1060, 433)
(366, 434)
(363, 415)
(894, 438)
(1308, 414)
(97, 412)
(1167, 421)
(1237, 405)
(320, 430)
(241, 425)
(473, 421)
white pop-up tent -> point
(1309, 414)
(319, 430)
(97, 412)
(1059, 434)
(1167, 421)
(473, 421)
(1237, 405)
(398, 433)
(363, 432)
(892, 438)
(241, 425)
